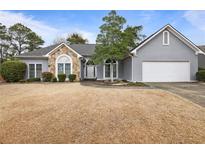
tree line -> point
(18, 39)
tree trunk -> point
(111, 71)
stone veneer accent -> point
(64, 50)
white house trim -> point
(177, 34)
(132, 68)
(67, 47)
(163, 39)
(56, 64)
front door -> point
(90, 71)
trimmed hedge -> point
(13, 71)
(34, 80)
(200, 75)
(61, 77)
(54, 79)
(72, 77)
(47, 76)
(22, 81)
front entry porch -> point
(90, 72)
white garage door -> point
(165, 71)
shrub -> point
(200, 75)
(23, 81)
(47, 76)
(201, 69)
(61, 77)
(54, 79)
(34, 80)
(72, 77)
(13, 71)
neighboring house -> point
(165, 56)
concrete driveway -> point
(193, 91)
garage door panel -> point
(165, 71)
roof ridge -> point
(83, 44)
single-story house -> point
(165, 56)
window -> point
(107, 69)
(38, 70)
(64, 65)
(31, 70)
(165, 38)
(60, 68)
(35, 70)
(67, 69)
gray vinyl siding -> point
(127, 69)
(120, 69)
(100, 72)
(44, 63)
(201, 59)
(154, 50)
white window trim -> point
(164, 37)
(34, 69)
(108, 78)
(56, 64)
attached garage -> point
(165, 56)
(165, 71)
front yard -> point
(72, 113)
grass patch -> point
(137, 84)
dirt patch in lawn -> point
(72, 113)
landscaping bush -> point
(200, 75)
(201, 69)
(47, 76)
(54, 79)
(61, 77)
(72, 77)
(23, 81)
(13, 71)
(34, 80)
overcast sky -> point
(52, 24)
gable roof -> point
(80, 49)
(84, 49)
(176, 33)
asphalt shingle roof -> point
(39, 52)
(82, 49)
(202, 47)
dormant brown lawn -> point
(72, 113)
